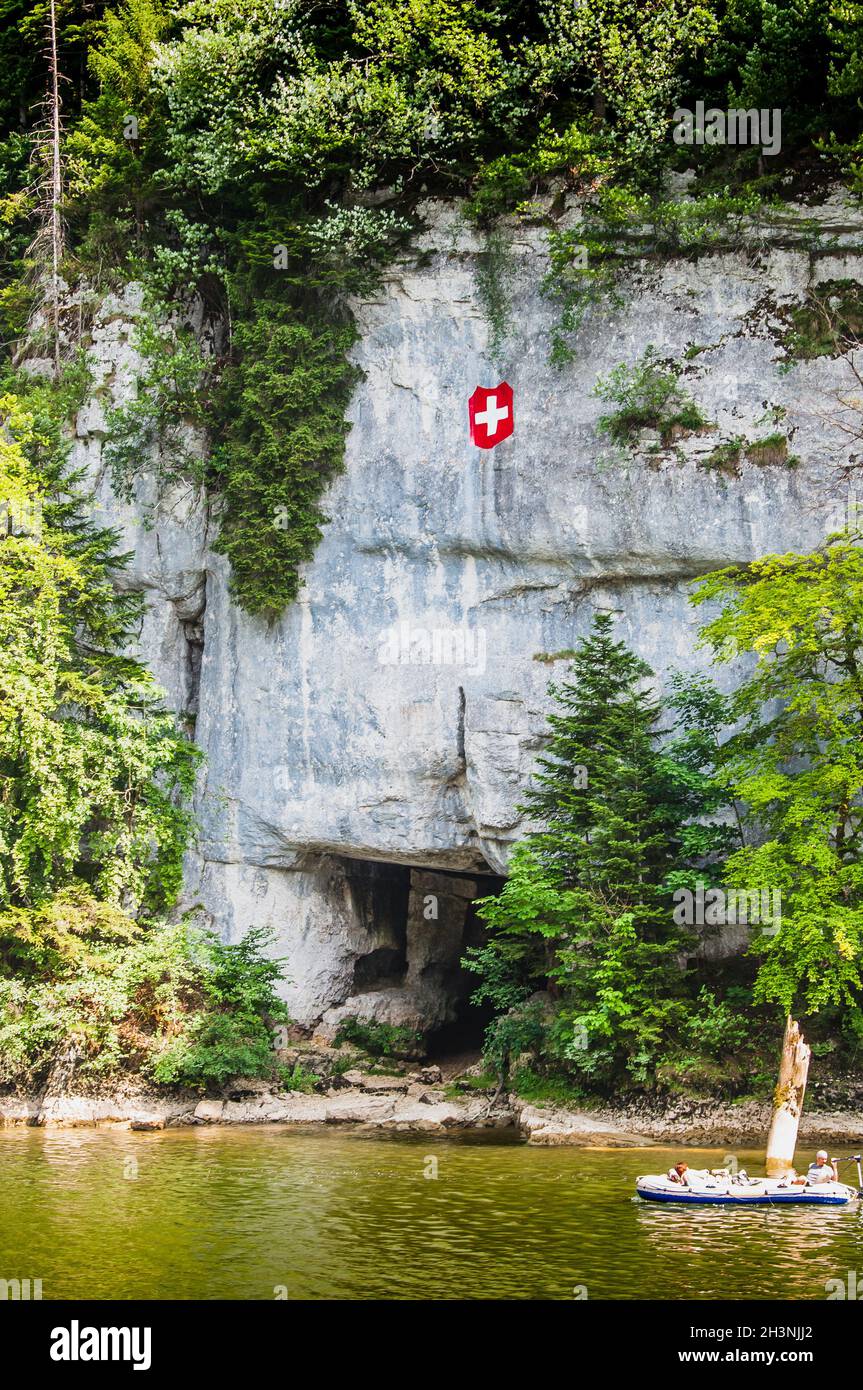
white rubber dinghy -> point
(716, 1191)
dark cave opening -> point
(464, 1035)
(381, 897)
(467, 1030)
(418, 922)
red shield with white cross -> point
(491, 415)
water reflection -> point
(211, 1213)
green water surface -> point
(247, 1213)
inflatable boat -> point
(715, 1190)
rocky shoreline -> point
(418, 1103)
(695, 1123)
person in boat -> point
(822, 1170)
(684, 1176)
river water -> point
(267, 1212)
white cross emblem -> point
(492, 415)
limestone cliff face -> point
(392, 716)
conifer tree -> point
(598, 796)
(587, 909)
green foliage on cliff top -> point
(200, 137)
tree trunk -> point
(787, 1101)
(56, 185)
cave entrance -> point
(381, 899)
(465, 1032)
(413, 926)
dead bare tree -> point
(56, 183)
(48, 245)
(845, 412)
(847, 415)
(788, 1101)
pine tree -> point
(598, 794)
(587, 910)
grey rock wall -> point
(395, 711)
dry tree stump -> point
(788, 1101)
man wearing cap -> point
(822, 1170)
